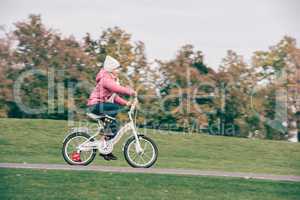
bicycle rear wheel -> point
(70, 151)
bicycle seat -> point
(96, 117)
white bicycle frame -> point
(128, 126)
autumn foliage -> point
(182, 93)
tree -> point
(293, 91)
(278, 68)
(5, 63)
(45, 51)
(185, 80)
(234, 82)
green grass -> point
(40, 141)
(42, 184)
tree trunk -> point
(293, 128)
(293, 132)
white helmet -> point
(110, 64)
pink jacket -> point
(106, 86)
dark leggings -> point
(110, 109)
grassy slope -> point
(39, 141)
(41, 184)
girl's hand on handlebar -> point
(128, 104)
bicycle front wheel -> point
(144, 159)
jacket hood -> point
(103, 74)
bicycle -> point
(80, 147)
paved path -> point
(150, 171)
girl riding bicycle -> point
(105, 97)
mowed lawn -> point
(40, 141)
(44, 184)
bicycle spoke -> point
(135, 157)
(149, 151)
(139, 158)
(147, 155)
(145, 146)
(76, 143)
(143, 159)
(132, 150)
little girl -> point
(105, 98)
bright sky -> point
(211, 26)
